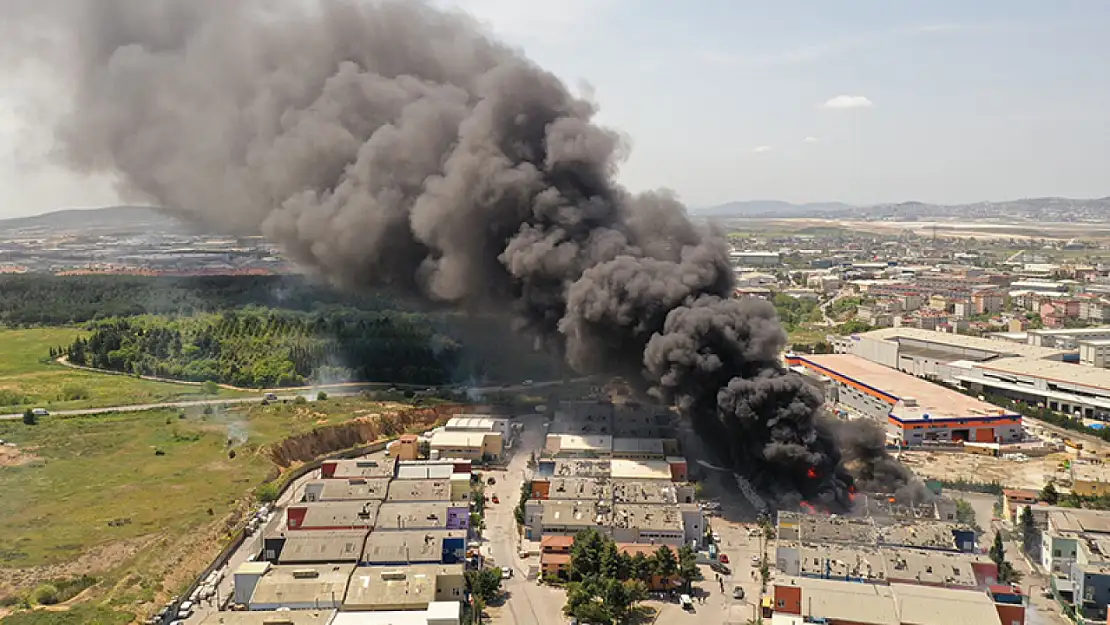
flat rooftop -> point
(1000, 348)
(460, 439)
(301, 584)
(1079, 520)
(582, 468)
(267, 617)
(419, 490)
(421, 516)
(597, 443)
(573, 514)
(644, 446)
(396, 587)
(647, 517)
(431, 469)
(349, 489)
(849, 602)
(1075, 332)
(1053, 370)
(404, 546)
(827, 529)
(627, 469)
(644, 491)
(322, 546)
(438, 612)
(381, 467)
(943, 606)
(337, 514)
(486, 423)
(582, 488)
(933, 401)
(878, 564)
(934, 535)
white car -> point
(716, 537)
(506, 572)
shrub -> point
(71, 392)
(321, 396)
(29, 417)
(300, 400)
(267, 492)
(9, 397)
(45, 594)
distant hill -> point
(771, 208)
(1038, 209)
(112, 218)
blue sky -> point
(861, 101)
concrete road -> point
(341, 390)
(527, 603)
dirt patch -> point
(93, 562)
(360, 431)
(14, 456)
(954, 466)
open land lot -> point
(142, 501)
(26, 374)
(955, 466)
(981, 230)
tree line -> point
(41, 299)
(605, 584)
(258, 347)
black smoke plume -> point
(390, 143)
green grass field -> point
(24, 374)
(90, 471)
(75, 486)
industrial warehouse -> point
(1063, 370)
(914, 411)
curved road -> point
(343, 390)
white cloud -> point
(848, 102)
(762, 149)
(810, 140)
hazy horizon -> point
(862, 103)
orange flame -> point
(812, 473)
(892, 500)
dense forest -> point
(37, 299)
(265, 347)
(268, 331)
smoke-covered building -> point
(912, 410)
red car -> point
(723, 559)
(496, 500)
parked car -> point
(720, 568)
(491, 481)
(756, 560)
(40, 412)
(737, 593)
(686, 602)
(716, 537)
(506, 572)
(496, 500)
(723, 559)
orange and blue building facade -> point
(908, 425)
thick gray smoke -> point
(389, 143)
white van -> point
(40, 412)
(686, 602)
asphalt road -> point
(335, 391)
